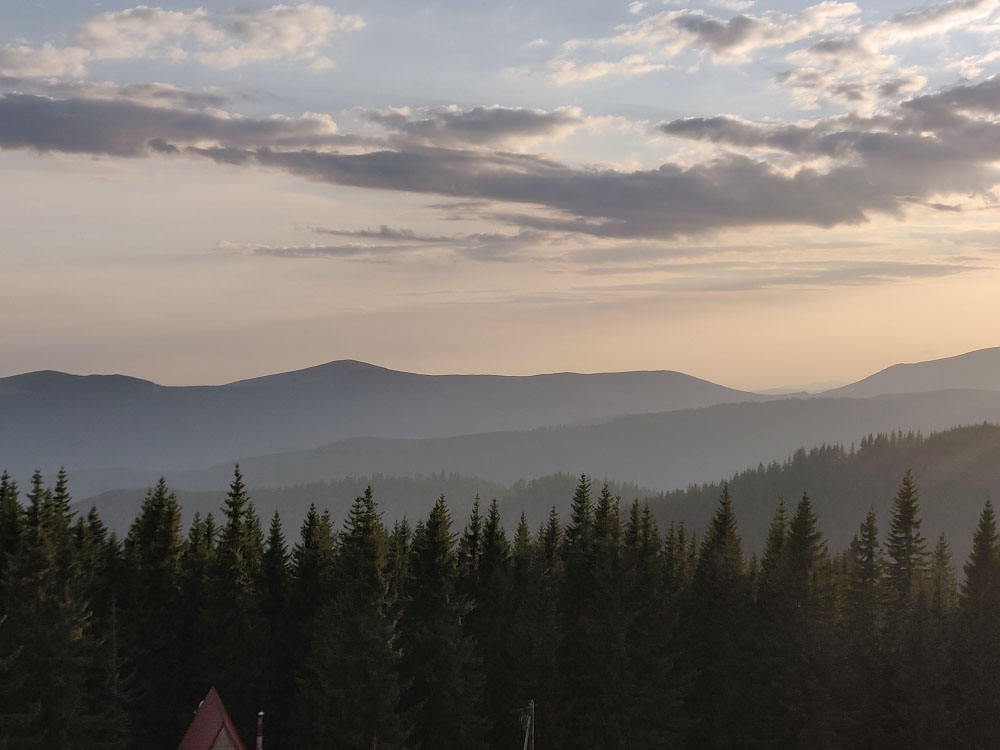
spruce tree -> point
(442, 677)
(45, 639)
(654, 685)
(575, 664)
(719, 630)
(976, 648)
(907, 551)
(806, 616)
(233, 627)
(772, 564)
(278, 687)
(491, 623)
(151, 603)
(535, 573)
(398, 560)
(197, 563)
(11, 522)
(914, 669)
(312, 583)
(349, 690)
(862, 650)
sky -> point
(763, 194)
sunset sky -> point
(762, 194)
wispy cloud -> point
(478, 126)
(220, 40)
(657, 39)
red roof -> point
(209, 722)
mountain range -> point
(661, 429)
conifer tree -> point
(575, 661)
(535, 578)
(907, 551)
(312, 582)
(398, 560)
(491, 623)
(278, 628)
(442, 677)
(349, 690)
(470, 549)
(11, 522)
(151, 604)
(915, 665)
(772, 564)
(718, 630)
(654, 687)
(233, 655)
(863, 652)
(806, 615)
(977, 639)
(197, 562)
(44, 642)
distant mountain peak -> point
(975, 370)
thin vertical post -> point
(531, 727)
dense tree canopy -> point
(359, 636)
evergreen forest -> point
(435, 635)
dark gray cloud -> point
(927, 145)
(878, 164)
(126, 128)
(479, 126)
(716, 34)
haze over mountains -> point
(52, 419)
(660, 429)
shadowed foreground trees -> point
(424, 637)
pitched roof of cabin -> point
(210, 721)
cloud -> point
(126, 128)
(21, 59)
(151, 94)
(223, 40)
(564, 71)
(350, 251)
(479, 126)
(841, 170)
(661, 37)
(831, 56)
(395, 245)
(859, 69)
(729, 276)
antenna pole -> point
(531, 727)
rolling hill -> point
(978, 370)
(663, 451)
(52, 419)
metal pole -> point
(531, 727)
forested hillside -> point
(663, 451)
(959, 469)
(627, 635)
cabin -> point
(211, 728)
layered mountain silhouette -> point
(52, 419)
(662, 451)
(956, 471)
(978, 370)
(661, 429)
